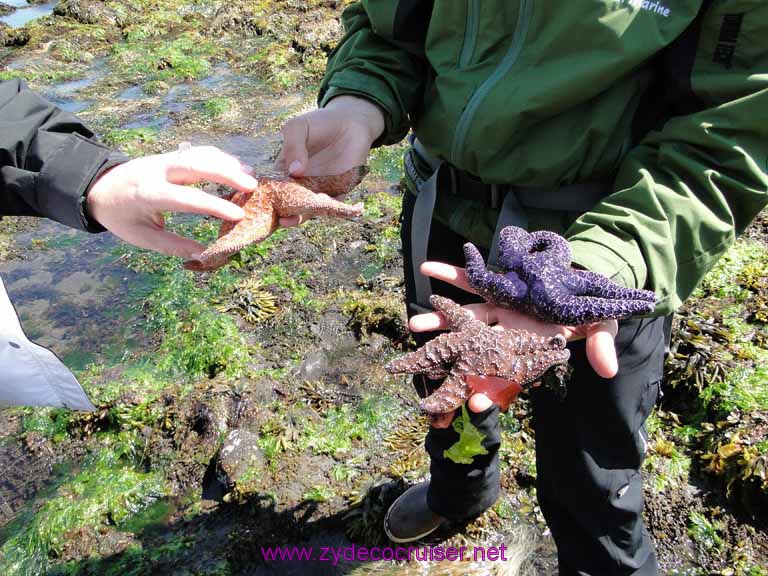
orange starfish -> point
(277, 198)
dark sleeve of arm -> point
(686, 191)
(48, 159)
(380, 62)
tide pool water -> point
(26, 13)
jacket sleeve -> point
(690, 186)
(382, 62)
(48, 159)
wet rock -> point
(198, 426)
(240, 459)
(13, 37)
(85, 11)
(314, 366)
(378, 342)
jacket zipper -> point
(470, 33)
(509, 59)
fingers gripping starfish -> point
(277, 198)
(473, 347)
(536, 278)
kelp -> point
(736, 450)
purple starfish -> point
(536, 278)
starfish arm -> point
(504, 290)
(335, 185)
(474, 266)
(517, 342)
(290, 199)
(437, 373)
(527, 368)
(572, 310)
(206, 263)
(431, 358)
(514, 243)
(259, 222)
(553, 247)
(451, 394)
(458, 318)
(593, 284)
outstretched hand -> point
(601, 351)
(130, 199)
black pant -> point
(589, 447)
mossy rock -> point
(85, 11)
(319, 30)
(238, 19)
(13, 37)
(380, 313)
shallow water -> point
(70, 294)
(132, 93)
(67, 95)
(97, 71)
(176, 101)
(149, 120)
(26, 13)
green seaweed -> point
(107, 490)
(469, 443)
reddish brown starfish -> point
(276, 198)
(473, 347)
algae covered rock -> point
(235, 18)
(85, 11)
(319, 30)
(13, 37)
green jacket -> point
(667, 99)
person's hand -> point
(601, 351)
(129, 200)
(329, 140)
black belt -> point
(579, 197)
